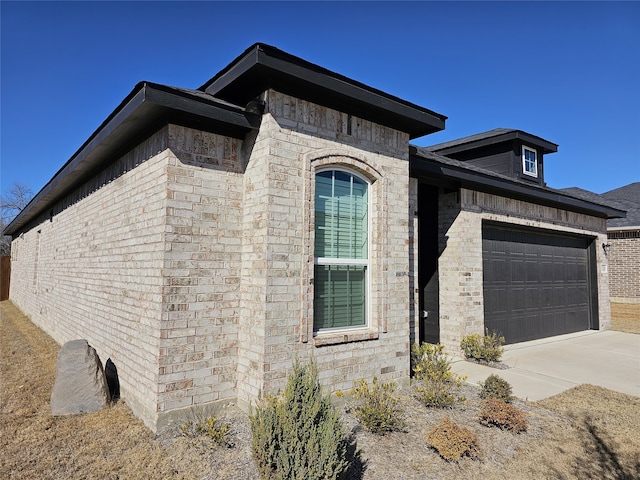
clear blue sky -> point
(567, 72)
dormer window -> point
(529, 162)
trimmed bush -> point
(487, 348)
(378, 409)
(496, 387)
(298, 434)
(498, 413)
(452, 441)
(437, 385)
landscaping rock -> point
(81, 385)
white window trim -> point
(345, 261)
(524, 162)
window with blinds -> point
(341, 251)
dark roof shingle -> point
(629, 197)
(497, 135)
(482, 178)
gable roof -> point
(492, 137)
(427, 165)
(262, 66)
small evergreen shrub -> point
(378, 409)
(208, 431)
(486, 348)
(298, 435)
(437, 385)
(498, 413)
(453, 441)
(496, 387)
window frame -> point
(525, 171)
(332, 261)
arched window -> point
(341, 252)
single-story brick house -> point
(203, 239)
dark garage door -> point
(536, 284)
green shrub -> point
(496, 387)
(378, 409)
(486, 348)
(298, 434)
(207, 430)
(453, 441)
(496, 412)
(437, 385)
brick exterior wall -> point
(189, 261)
(624, 265)
(201, 273)
(297, 137)
(460, 263)
(94, 269)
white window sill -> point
(333, 338)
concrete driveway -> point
(543, 368)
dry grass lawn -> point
(587, 432)
(111, 444)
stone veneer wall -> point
(460, 263)
(624, 266)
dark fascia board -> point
(147, 108)
(262, 67)
(430, 170)
(448, 148)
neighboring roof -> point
(625, 198)
(492, 137)
(262, 66)
(629, 197)
(427, 165)
(144, 110)
(591, 197)
(628, 193)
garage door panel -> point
(533, 298)
(546, 297)
(558, 296)
(501, 267)
(516, 300)
(558, 271)
(518, 271)
(543, 282)
(533, 271)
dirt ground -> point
(587, 432)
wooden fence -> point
(5, 276)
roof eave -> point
(545, 145)
(148, 107)
(420, 166)
(262, 67)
